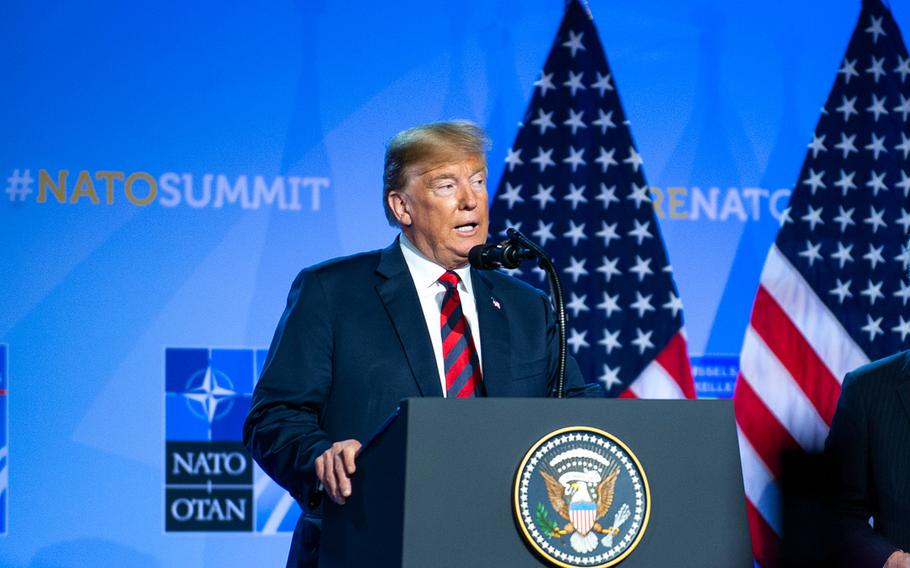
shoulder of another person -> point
(874, 383)
(891, 367)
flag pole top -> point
(584, 6)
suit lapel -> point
(494, 335)
(903, 388)
(403, 306)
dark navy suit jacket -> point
(353, 342)
(869, 443)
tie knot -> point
(449, 279)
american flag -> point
(833, 290)
(574, 183)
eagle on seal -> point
(571, 498)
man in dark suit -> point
(361, 333)
(869, 444)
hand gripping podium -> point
(437, 485)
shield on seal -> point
(582, 515)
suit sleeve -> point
(575, 382)
(282, 430)
(854, 499)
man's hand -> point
(898, 560)
(335, 467)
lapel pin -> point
(496, 304)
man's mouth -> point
(466, 228)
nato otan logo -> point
(581, 498)
(4, 441)
(212, 484)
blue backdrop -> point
(168, 167)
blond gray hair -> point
(428, 143)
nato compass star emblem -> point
(209, 394)
(581, 498)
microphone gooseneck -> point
(509, 254)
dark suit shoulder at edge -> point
(887, 368)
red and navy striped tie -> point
(462, 365)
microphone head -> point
(478, 259)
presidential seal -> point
(581, 498)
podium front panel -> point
(451, 465)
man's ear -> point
(398, 203)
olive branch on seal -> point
(545, 524)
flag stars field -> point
(575, 180)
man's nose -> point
(467, 198)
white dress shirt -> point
(425, 274)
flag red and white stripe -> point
(834, 287)
(794, 356)
(669, 375)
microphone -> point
(507, 254)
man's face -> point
(443, 209)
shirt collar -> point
(425, 272)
